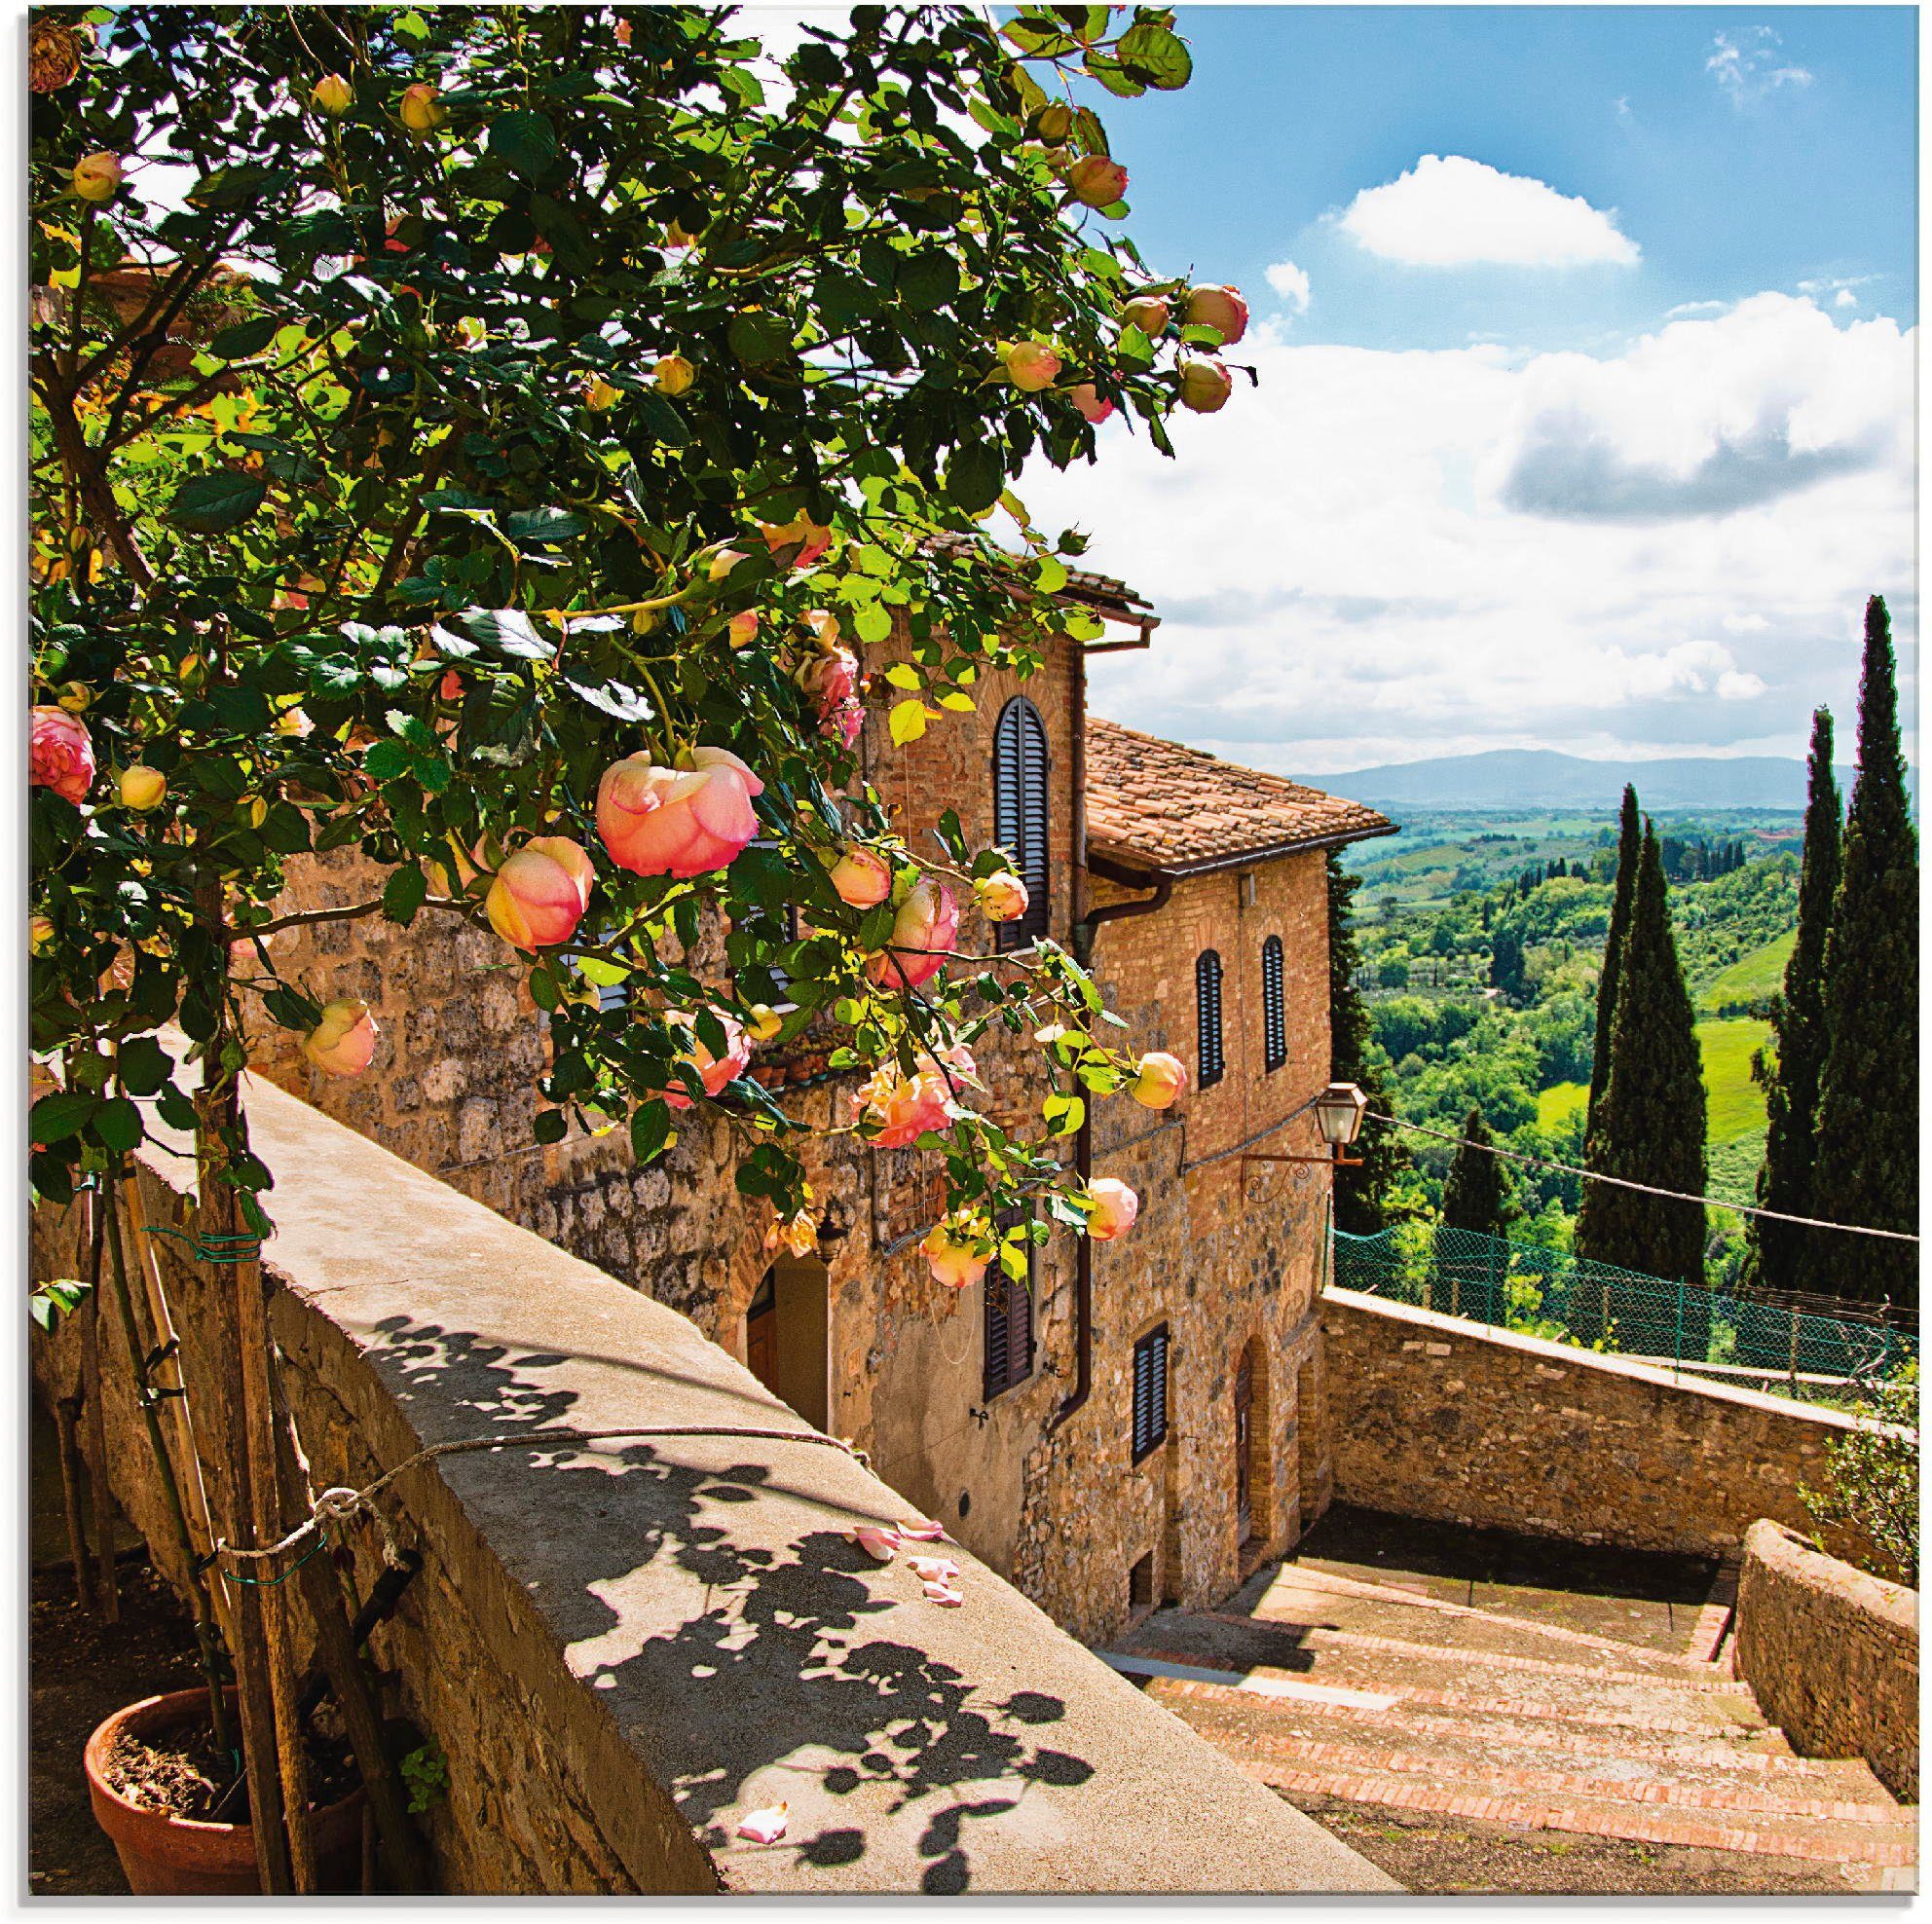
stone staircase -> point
(1330, 1686)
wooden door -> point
(761, 1335)
(1244, 1414)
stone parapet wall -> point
(1832, 1654)
(1433, 1417)
(622, 1646)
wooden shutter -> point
(1009, 1325)
(1150, 1392)
(1274, 1006)
(1207, 1018)
(1021, 824)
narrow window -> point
(1207, 1017)
(1150, 1392)
(1274, 1007)
(1009, 1331)
(1140, 1584)
(1019, 815)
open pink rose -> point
(862, 878)
(954, 1254)
(924, 933)
(343, 1042)
(831, 676)
(60, 753)
(713, 1071)
(1162, 1077)
(1003, 897)
(677, 822)
(812, 541)
(541, 893)
(1115, 1207)
(1031, 365)
(1219, 308)
(1093, 406)
(1097, 181)
(896, 1109)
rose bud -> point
(60, 753)
(541, 893)
(1205, 385)
(675, 374)
(343, 1042)
(1031, 365)
(765, 1022)
(953, 1255)
(333, 95)
(1053, 122)
(1003, 897)
(1162, 1077)
(98, 176)
(1148, 313)
(743, 628)
(76, 697)
(142, 788)
(843, 724)
(812, 541)
(679, 822)
(924, 933)
(40, 934)
(863, 880)
(895, 1110)
(1093, 406)
(1220, 308)
(421, 111)
(713, 1071)
(1115, 1207)
(1097, 181)
(599, 395)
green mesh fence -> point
(1569, 1299)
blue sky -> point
(1585, 345)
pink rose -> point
(1003, 897)
(1148, 313)
(1093, 406)
(862, 878)
(831, 677)
(1205, 385)
(952, 1254)
(802, 532)
(924, 933)
(843, 724)
(1115, 1207)
(1162, 1077)
(713, 1071)
(1031, 365)
(1097, 181)
(60, 753)
(896, 1109)
(541, 893)
(1220, 308)
(677, 822)
(343, 1042)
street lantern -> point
(1338, 1114)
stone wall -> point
(621, 1646)
(1832, 1654)
(1433, 1417)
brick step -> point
(1876, 1846)
(1299, 1593)
(1453, 1678)
(1462, 1753)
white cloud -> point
(1290, 282)
(1450, 211)
(1345, 576)
(1686, 308)
(1746, 66)
(1844, 298)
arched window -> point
(1207, 1017)
(1019, 815)
(1274, 1007)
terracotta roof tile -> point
(1153, 805)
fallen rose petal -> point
(934, 1569)
(944, 1595)
(874, 1541)
(767, 1826)
(920, 1532)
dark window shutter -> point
(1150, 1392)
(1207, 1017)
(1009, 1325)
(1021, 824)
(996, 1288)
(1274, 1006)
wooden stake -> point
(107, 1585)
(64, 1414)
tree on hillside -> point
(1649, 1126)
(1476, 1195)
(1868, 1090)
(1613, 945)
(1362, 1195)
(1506, 962)
(1798, 1022)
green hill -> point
(1736, 1105)
(1752, 978)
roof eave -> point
(1243, 859)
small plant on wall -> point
(491, 440)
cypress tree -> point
(1649, 1126)
(1362, 1195)
(1474, 1195)
(1628, 845)
(1868, 1090)
(1798, 1021)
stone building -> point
(1144, 1421)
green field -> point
(1750, 978)
(1736, 1102)
(1559, 1102)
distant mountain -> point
(1540, 778)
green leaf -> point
(549, 1126)
(58, 1298)
(64, 1113)
(908, 721)
(902, 675)
(611, 698)
(874, 622)
(1156, 55)
(144, 1065)
(601, 974)
(213, 504)
(245, 338)
(928, 280)
(403, 894)
(507, 630)
(389, 761)
(975, 477)
(543, 524)
(759, 338)
(118, 1124)
(651, 1130)
(525, 142)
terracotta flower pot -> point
(164, 1853)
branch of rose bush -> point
(352, 912)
